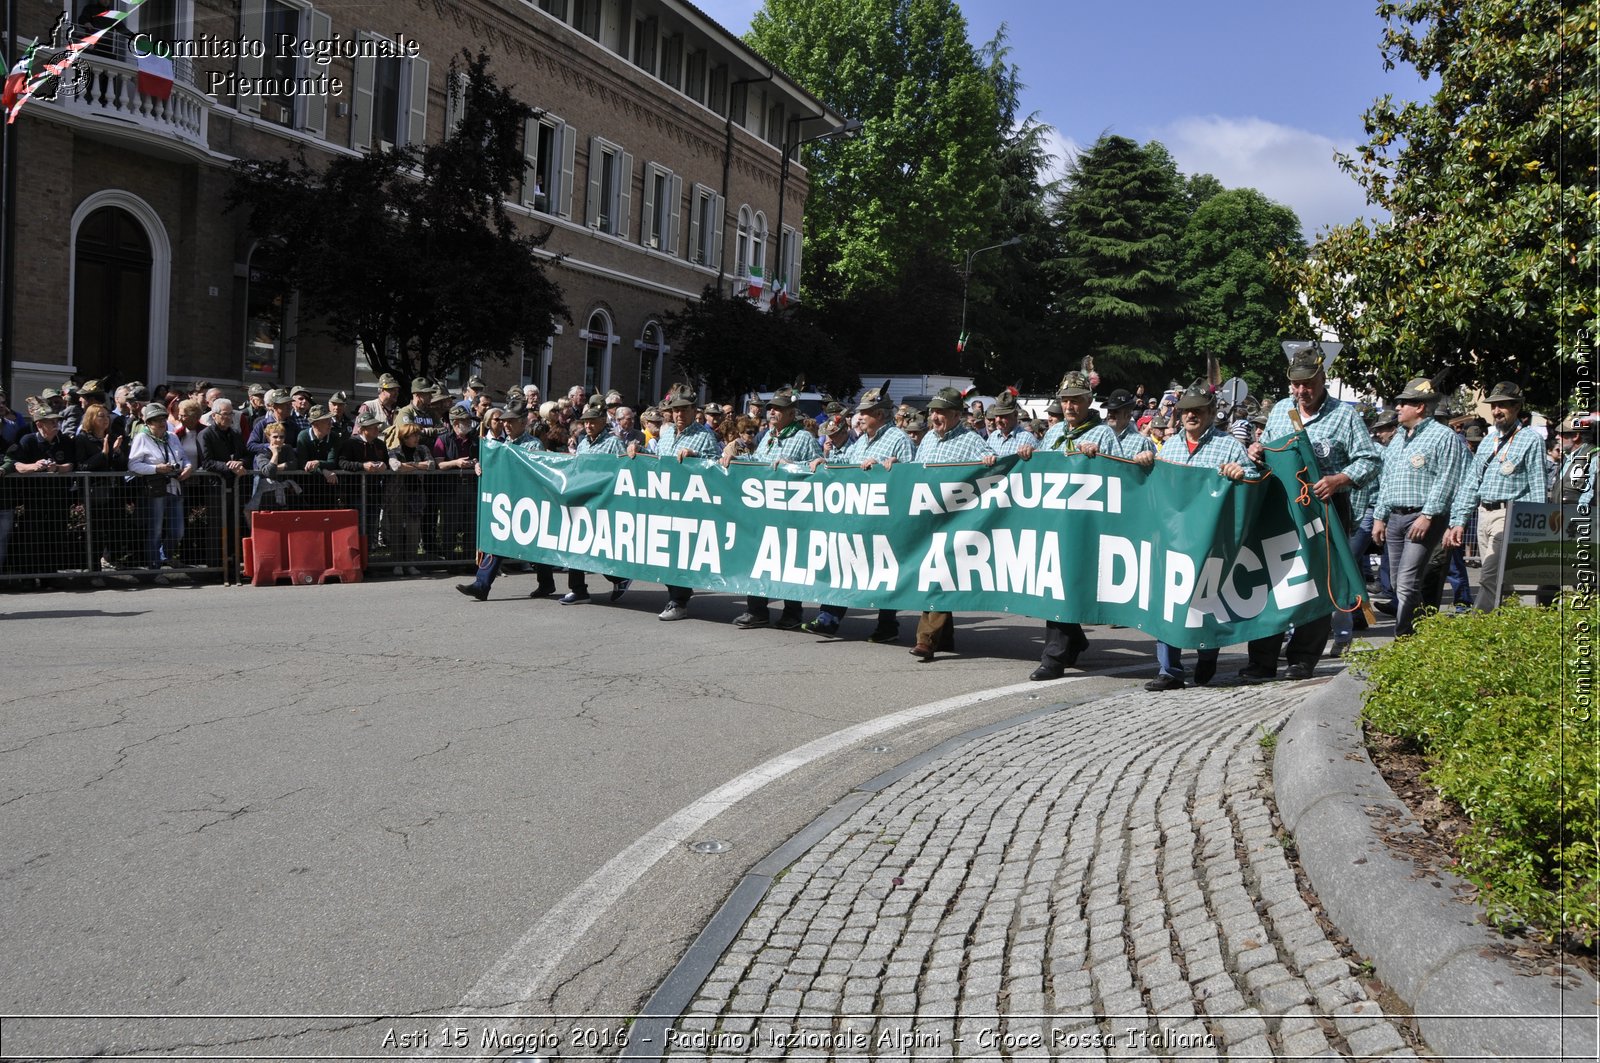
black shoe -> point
(1164, 682)
(1386, 608)
(472, 590)
(747, 621)
(787, 623)
(543, 590)
(1075, 647)
(619, 588)
(1302, 670)
(574, 598)
(1044, 672)
(884, 634)
(1250, 674)
(1204, 672)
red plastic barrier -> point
(304, 546)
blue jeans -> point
(1169, 659)
(488, 571)
(162, 517)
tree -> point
(1233, 297)
(919, 176)
(733, 347)
(410, 252)
(1487, 262)
(1012, 310)
(1120, 219)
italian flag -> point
(754, 286)
(155, 76)
(781, 296)
(17, 77)
(961, 342)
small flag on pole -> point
(961, 342)
(755, 285)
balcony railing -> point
(110, 89)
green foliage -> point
(1233, 298)
(920, 175)
(1120, 218)
(1488, 260)
(735, 347)
(1012, 313)
(411, 252)
(1502, 704)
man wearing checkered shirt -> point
(880, 443)
(1346, 459)
(785, 441)
(1198, 445)
(686, 437)
(1421, 466)
(1508, 467)
(948, 442)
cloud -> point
(1290, 166)
(1063, 150)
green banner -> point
(1183, 553)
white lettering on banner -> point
(1291, 580)
(1179, 582)
(1033, 490)
(658, 484)
(831, 559)
(640, 538)
(817, 496)
(1012, 561)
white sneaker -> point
(675, 611)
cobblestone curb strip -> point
(1471, 1001)
(1099, 882)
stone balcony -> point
(107, 100)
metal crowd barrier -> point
(92, 528)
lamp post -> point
(966, 277)
(789, 146)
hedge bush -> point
(1502, 706)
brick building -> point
(654, 158)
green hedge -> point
(1502, 705)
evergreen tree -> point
(1120, 219)
(1233, 297)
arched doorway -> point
(112, 269)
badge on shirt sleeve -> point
(1418, 460)
(1507, 468)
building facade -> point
(653, 160)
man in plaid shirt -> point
(1346, 458)
(948, 442)
(1200, 445)
(1508, 467)
(685, 437)
(880, 443)
(785, 441)
(1421, 466)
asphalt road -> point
(387, 799)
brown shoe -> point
(923, 650)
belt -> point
(1405, 510)
(1492, 506)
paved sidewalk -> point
(1101, 882)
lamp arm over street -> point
(966, 278)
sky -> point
(1258, 93)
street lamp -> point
(966, 278)
(789, 146)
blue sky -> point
(1260, 93)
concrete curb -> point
(1471, 1001)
